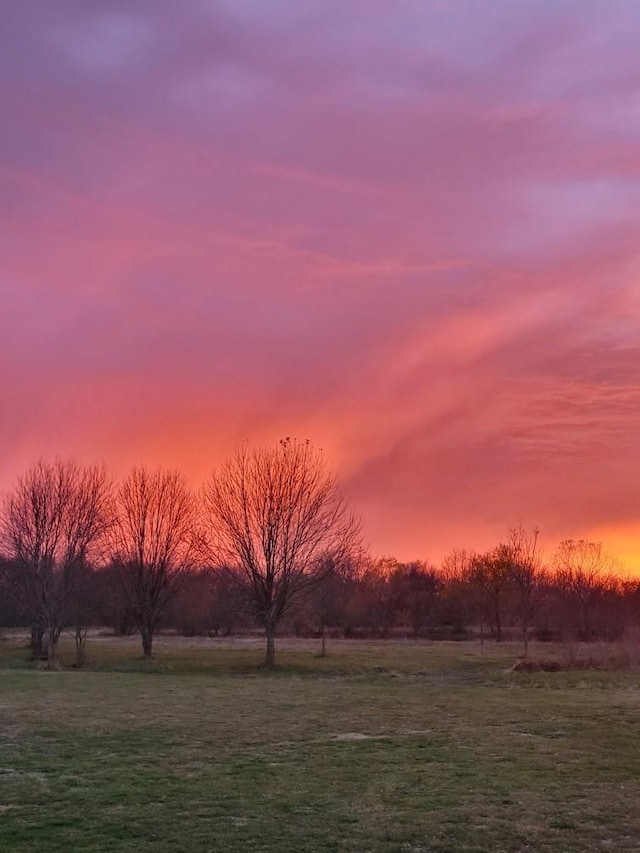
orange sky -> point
(410, 235)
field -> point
(389, 746)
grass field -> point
(390, 746)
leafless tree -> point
(154, 540)
(51, 524)
(523, 556)
(275, 513)
(378, 600)
(414, 589)
(460, 600)
(330, 595)
(489, 578)
(83, 610)
(584, 572)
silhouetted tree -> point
(379, 605)
(154, 542)
(275, 514)
(523, 556)
(56, 515)
(460, 600)
(83, 610)
(329, 598)
(584, 575)
(414, 589)
(489, 574)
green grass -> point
(394, 746)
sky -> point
(407, 230)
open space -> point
(381, 746)
(320, 320)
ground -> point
(389, 746)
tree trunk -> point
(323, 653)
(498, 626)
(81, 639)
(147, 642)
(525, 639)
(586, 623)
(270, 660)
(37, 642)
(51, 641)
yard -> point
(381, 746)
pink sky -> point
(408, 231)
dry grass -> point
(380, 747)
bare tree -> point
(51, 523)
(414, 588)
(275, 514)
(83, 610)
(523, 556)
(154, 540)
(379, 600)
(584, 572)
(489, 578)
(330, 595)
(460, 599)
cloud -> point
(408, 234)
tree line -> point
(269, 542)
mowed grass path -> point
(393, 746)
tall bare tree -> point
(275, 513)
(154, 540)
(51, 524)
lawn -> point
(390, 746)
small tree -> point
(489, 578)
(459, 601)
(523, 556)
(55, 517)
(584, 573)
(276, 515)
(380, 605)
(83, 610)
(414, 587)
(154, 541)
(329, 598)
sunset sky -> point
(408, 230)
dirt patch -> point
(25, 774)
(536, 666)
(355, 736)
